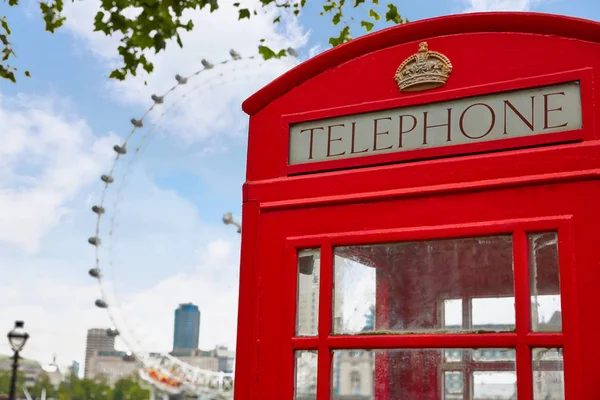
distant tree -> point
(5, 378)
(159, 22)
(129, 389)
(84, 389)
(41, 384)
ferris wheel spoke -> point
(164, 372)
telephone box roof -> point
(521, 22)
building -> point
(221, 359)
(53, 372)
(309, 268)
(29, 368)
(226, 359)
(74, 368)
(110, 365)
(206, 360)
(186, 333)
(97, 340)
(354, 372)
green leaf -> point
(27, 74)
(367, 25)
(392, 15)
(5, 26)
(374, 15)
(266, 52)
(160, 22)
(336, 18)
(6, 73)
(244, 13)
(342, 38)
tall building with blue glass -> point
(187, 327)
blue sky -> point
(170, 245)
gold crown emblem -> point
(423, 71)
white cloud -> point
(50, 162)
(47, 156)
(147, 315)
(163, 253)
(500, 5)
(212, 104)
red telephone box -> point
(420, 217)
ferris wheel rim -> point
(95, 240)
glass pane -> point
(493, 314)
(354, 310)
(544, 277)
(408, 374)
(453, 355)
(306, 375)
(548, 374)
(453, 313)
(453, 385)
(495, 385)
(405, 285)
(491, 355)
(307, 310)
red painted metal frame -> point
(523, 340)
(284, 212)
(587, 132)
(495, 22)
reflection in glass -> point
(453, 313)
(548, 374)
(453, 319)
(453, 385)
(407, 374)
(544, 281)
(494, 385)
(354, 299)
(490, 355)
(493, 313)
(307, 310)
(306, 375)
(407, 281)
(453, 355)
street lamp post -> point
(17, 338)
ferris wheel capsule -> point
(112, 332)
(157, 99)
(101, 303)
(95, 273)
(98, 209)
(120, 149)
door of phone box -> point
(420, 217)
